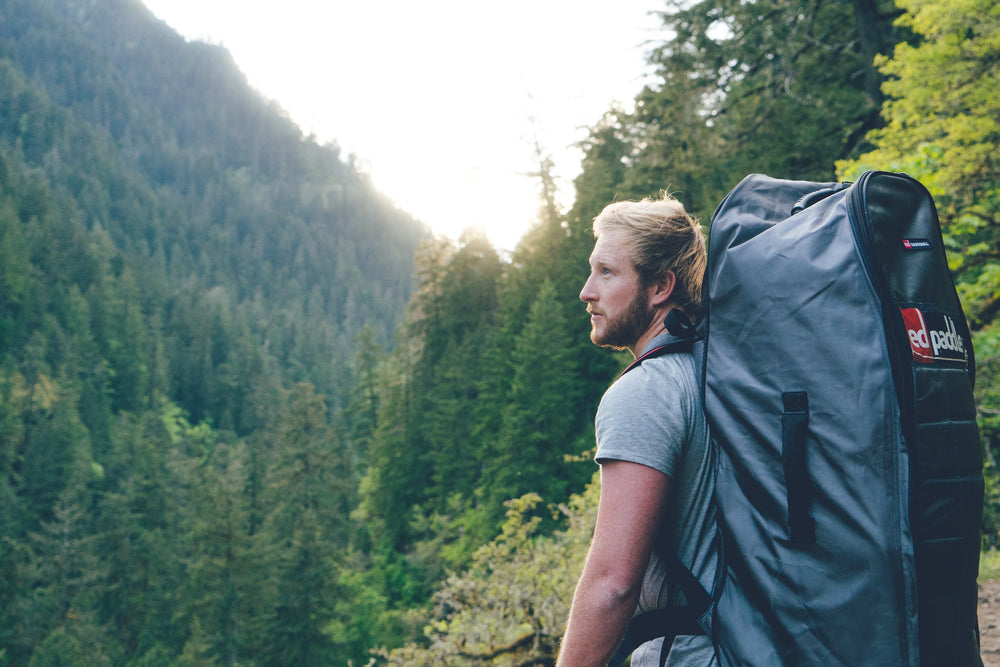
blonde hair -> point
(661, 237)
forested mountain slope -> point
(183, 279)
(193, 178)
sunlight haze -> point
(441, 102)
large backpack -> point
(838, 373)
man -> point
(652, 440)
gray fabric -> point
(786, 303)
(652, 416)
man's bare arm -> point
(633, 499)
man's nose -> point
(587, 293)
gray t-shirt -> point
(652, 415)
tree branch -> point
(982, 216)
(539, 662)
(986, 314)
(980, 258)
(509, 648)
(518, 644)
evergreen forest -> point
(251, 413)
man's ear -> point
(661, 291)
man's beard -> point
(624, 330)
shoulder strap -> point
(666, 348)
(683, 336)
(670, 621)
(684, 619)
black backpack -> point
(837, 380)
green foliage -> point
(742, 87)
(59, 650)
(989, 566)
(223, 568)
(986, 344)
(510, 606)
(175, 259)
(539, 417)
(303, 530)
(944, 130)
(954, 111)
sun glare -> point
(443, 101)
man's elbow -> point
(614, 590)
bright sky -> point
(441, 100)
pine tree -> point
(221, 572)
(137, 528)
(363, 411)
(745, 87)
(304, 533)
(944, 130)
(540, 419)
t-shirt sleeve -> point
(642, 419)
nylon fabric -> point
(782, 304)
(889, 473)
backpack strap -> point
(683, 332)
(681, 619)
(672, 621)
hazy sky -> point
(441, 100)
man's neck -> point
(655, 328)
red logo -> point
(916, 331)
(933, 337)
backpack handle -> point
(794, 430)
(807, 200)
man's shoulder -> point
(659, 386)
(651, 414)
(667, 372)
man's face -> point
(619, 312)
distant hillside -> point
(193, 176)
(185, 283)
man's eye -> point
(606, 272)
